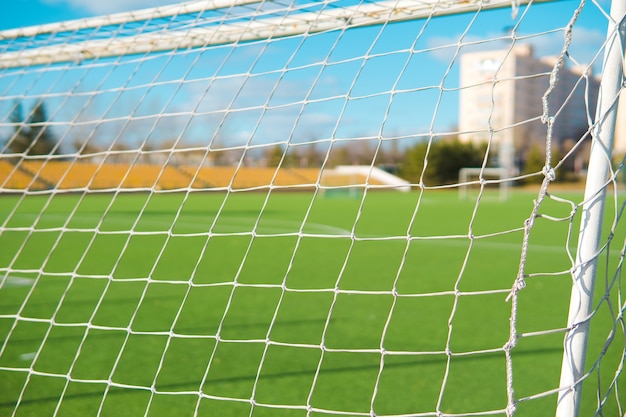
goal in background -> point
(475, 179)
(153, 262)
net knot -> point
(549, 173)
(511, 409)
(518, 285)
(510, 345)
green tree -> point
(312, 156)
(413, 164)
(42, 139)
(274, 156)
(19, 141)
(445, 159)
(32, 136)
(339, 155)
(535, 161)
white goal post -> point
(498, 176)
(262, 28)
(168, 244)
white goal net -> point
(251, 208)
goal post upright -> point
(598, 177)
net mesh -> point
(153, 263)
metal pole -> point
(584, 273)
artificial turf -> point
(284, 304)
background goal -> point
(168, 246)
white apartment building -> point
(501, 98)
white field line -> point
(29, 356)
(16, 281)
(480, 244)
(237, 224)
(243, 225)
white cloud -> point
(108, 6)
(586, 44)
(444, 48)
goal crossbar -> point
(225, 33)
(125, 18)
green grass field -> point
(284, 300)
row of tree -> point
(433, 162)
(31, 134)
(436, 162)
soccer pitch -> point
(282, 304)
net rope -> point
(141, 142)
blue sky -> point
(410, 113)
(18, 13)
